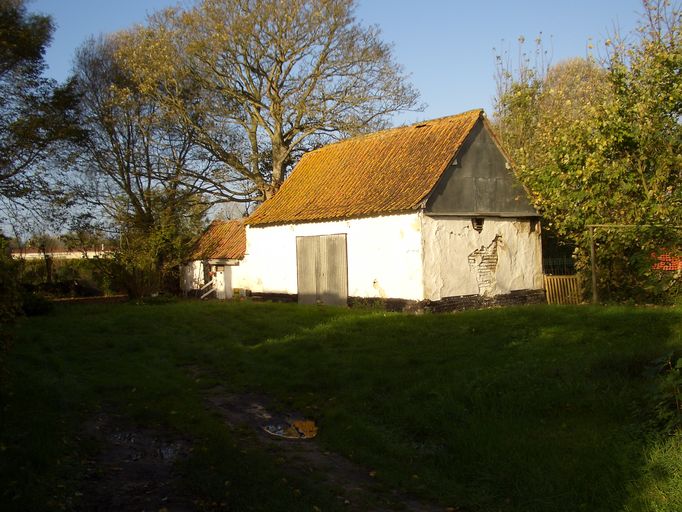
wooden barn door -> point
(306, 268)
(322, 269)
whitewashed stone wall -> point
(191, 276)
(458, 260)
(409, 256)
(384, 256)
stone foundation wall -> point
(397, 305)
(273, 297)
(514, 298)
(446, 304)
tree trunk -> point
(279, 158)
(48, 269)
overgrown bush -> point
(10, 301)
(10, 292)
(627, 274)
(597, 142)
(35, 304)
(73, 278)
(137, 277)
(667, 392)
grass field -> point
(519, 409)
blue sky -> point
(446, 46)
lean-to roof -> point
(221, 240)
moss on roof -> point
(221, 240)
(385, 172)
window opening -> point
(477, 223)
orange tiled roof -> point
(667, 262)
(384, 172)
(221, 240)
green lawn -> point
(519, 409)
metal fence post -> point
(595, 294)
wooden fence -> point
(563, 290)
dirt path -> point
(135, 468)
(355, 486)
(134, 471)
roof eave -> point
(388, 213)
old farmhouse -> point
(428, 212)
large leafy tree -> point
(600, 142)
(34, 115)
(131, 169)
(34, 112)
(547, 122)
(275, 78)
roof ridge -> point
(224, 221)
(363, 136)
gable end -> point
(480, 182)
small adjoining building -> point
(214, 258)
(428, 213)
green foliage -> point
(34, 112)
(601, 143)
(667, 393)
(72, 277)
(10, 291)
(142, 170)
(149, 255)
(35, 304)
(10, 302)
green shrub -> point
(35, 305)
(667, 391)
(10, 301)
(10, 296)
(73, 278)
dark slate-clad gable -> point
(479, 182)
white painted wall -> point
(384, 256)
(191, 276)
(454, 254)
(389, 258)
